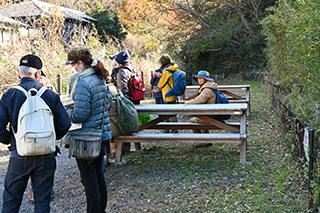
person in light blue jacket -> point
(89, 95)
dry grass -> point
(52, 52)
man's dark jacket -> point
(11, 103)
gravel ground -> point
(68, 193)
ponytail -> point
(101, 71)
(97, 65)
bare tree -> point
(209, 16)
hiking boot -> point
(165, 131)
(174, 131)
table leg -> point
(119, 152)
(248, 100)
(243, 150)
(243, 131)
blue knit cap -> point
(123, 57)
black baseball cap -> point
(31, 61)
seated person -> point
(206, 96)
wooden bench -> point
(228, 90)
(235, 132)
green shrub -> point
(292, 34)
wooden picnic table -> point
(235, 133)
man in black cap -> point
(40, 168)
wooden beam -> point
(218, 123)
(231, 94)
(154, 122)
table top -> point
(222, 87)
(192, 109)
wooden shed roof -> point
(36, 8)
(11, 22)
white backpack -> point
(35, 127)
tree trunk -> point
(244, 21)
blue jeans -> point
(94, 183)
(158, 98)
(41, 170)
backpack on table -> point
(123, 114)
(179, 83)
(220, 99)
(35, 126)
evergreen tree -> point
(108, 24)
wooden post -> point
(152, 95)
(248, 100)
(59, 84)
(118, 157)
(243, 131)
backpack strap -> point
(215, 91)
(23, 90)
(131, 70)
(168, 79)
(39, 93)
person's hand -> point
(157, 74)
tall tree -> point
(225, 33)
(108, 25)
(147, 23)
